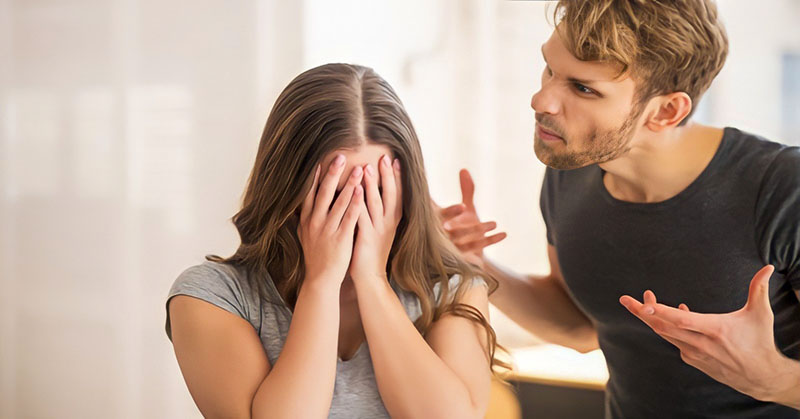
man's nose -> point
(546, 100)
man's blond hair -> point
(667, 46)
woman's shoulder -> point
(454, 282)
(412, 304)
(221, 284)
(212, 277)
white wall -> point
(128, 128)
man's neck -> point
(662, 165)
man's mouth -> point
(547, 135)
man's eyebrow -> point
(570, 79)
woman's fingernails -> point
(396, 164)
(447, 226)
(357, 171)
(370, 171)
(339, 160)
(385, 160)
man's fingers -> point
(452, 211)
(467, 188)
(668, 329)
(657, 324)
(697, 322)
(694, 345)
(649, 297)
(637, 309)
(461, 234)
(758, 295)
(482, 243)
(634, 306)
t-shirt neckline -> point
(681, 196)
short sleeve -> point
(778, 215)
(453, 284)
(212, 285)
(546, 202)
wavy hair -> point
(668, 45)
(322, 110)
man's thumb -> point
(758, 295)
(467, 188)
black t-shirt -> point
(700, 247)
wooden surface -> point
(558, 366)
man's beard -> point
(603, 145)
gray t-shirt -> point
(355, 394)
(700, 247)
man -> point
(639, 200)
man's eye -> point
(583, 89)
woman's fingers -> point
(398, 182)
(343, 200)
(388, 185)
(371, 193)
(353, 211)
(327, 189)
(308, 202)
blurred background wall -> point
(128, 129)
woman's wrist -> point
(370, 283)
(322, 284)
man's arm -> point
(737, 348)
(541, 305)
(789, 390)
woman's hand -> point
(377, 221)
(325, 232)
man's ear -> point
(672, 109)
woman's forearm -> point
(413, 381)
(300, 384)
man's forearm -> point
(541, 306)
(787, 390)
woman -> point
(341, 254)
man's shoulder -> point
(748, 148)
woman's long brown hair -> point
(322, 110)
